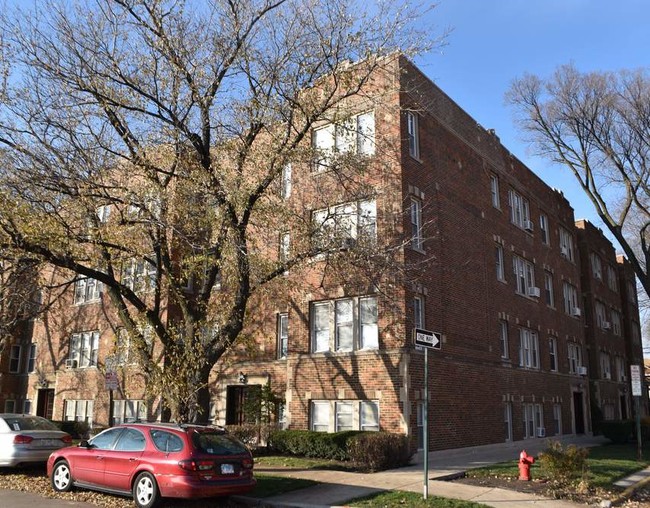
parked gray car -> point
(28, 439)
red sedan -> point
(153, 460)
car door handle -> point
(100, 457)
(132, 459)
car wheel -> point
(145, 491)
(61, 477)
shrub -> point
(307, 443)
(618, 431)
(565, 463)
(376, 451)
(78, 430)
(252, 435)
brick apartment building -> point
(537, 313)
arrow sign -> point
(425, 338)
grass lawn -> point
(273, 485)
(607, 464)
(291, 462)
(412, 500)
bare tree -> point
(180, 118)
(597, 125)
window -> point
(283, 251)
(503, 338)
(524, 276)
(83, 349)
(500, 267)
(552, 353)
(557, 419)
(621, 371)
(533, 421)
(566, 244)
(125, 347)
(605, 366)
(129, 411)
(27, 407)
(596, 266)
(131, 440)
(356, 135)
(10, 406)
(412, 130)
(343, 225)
(507, 420)
(612, 281)
(345, 324)
(283, 334)
(79, 411)
(570, 294)
(166, 441)
(519, 210)
(15, 354)
(631, 292)
(543, 229)
(601, 317)
(103, 213)
(139, 275)
(87, 290)
(549, 294)
(341, 415)
(31, 361)
(494, 189)
(616, 322)
(285, 188)
(575, 358)
(416, 224)
(418, 312)
(528, 349)
(635, 331)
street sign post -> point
(427, 340)
(637, 391)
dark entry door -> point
(242, 404)
(45, 403)
(579, 413)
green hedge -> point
(619, 431)
(78, 430)
(370, 451)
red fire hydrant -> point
(525, 461)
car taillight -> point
(67, 439)
(247, 463)
(19, 439)
(196, 465)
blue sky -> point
(496, 41)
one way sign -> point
(425, 338)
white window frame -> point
(500, 263)
(549, 292)
(285, 181)
(419, 316)
(524, 272)
(78, 410)
(566, 244)
(552, 354)
(575, 357)
(129, 411)
(328, 329)
(557, 419)
(84, 347)
(320, 418)
(139, 275)
(528, 348)
(570, 298)
(507, 420)
(504, 339)
(605, 365)
(369, 415)
(342, 225)
(413, 134)
(345, 414)
(596, 266)
(544, 230)
(31, 360)
(415, 209)
(616, 322)
(103, 213)
(519, 209)
(494, 190)
(284, 246)
(533, 420)
(283, 334)
(15, 358)
(87, 290)
(354, 135)
(601, 314)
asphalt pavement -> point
(337, 488)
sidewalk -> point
(338, 487)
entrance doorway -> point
(578, 412)
(243, 404)
(45, 403)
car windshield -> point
(29, 423)
(215, 443)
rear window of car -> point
(29, 423)
(166, 441)
(215, 443)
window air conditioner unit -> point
(607, 325)
(608, 375)
(71, 364)
(533, 291)
(564, 251)
(582, 371)
(577, 312)
(528, 225)
(541, 432)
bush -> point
(618, 431)
(78, 430)
(566, 463)
(376, 451)
(252, 435)
(307, 443)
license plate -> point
(227, 469)
(47, 443)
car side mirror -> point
(84, 444)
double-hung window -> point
(78, 411)
(616, 322)
(87, 290)
(283, 334)
(566, 244)
(503, 339)
(345, 324)
(575, 357)
(524, 275)
(355, 135)
(342, 415)
(528, 348)
(418, 312)
(596, 266)
(500, 267)
(494, 190)
(552, 353)
(519, 210)
(285, 181)
(570, 294)
(412, 130)
(612, 281)
(416, 224)
(344, 225)
(549, 295)
(605, 365)
(31, 361)
(129, 411)
(533, 421)
(601, 316)
(83, 349)
(15, 355)
(139, 275)
(543, 229)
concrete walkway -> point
(338, 487)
